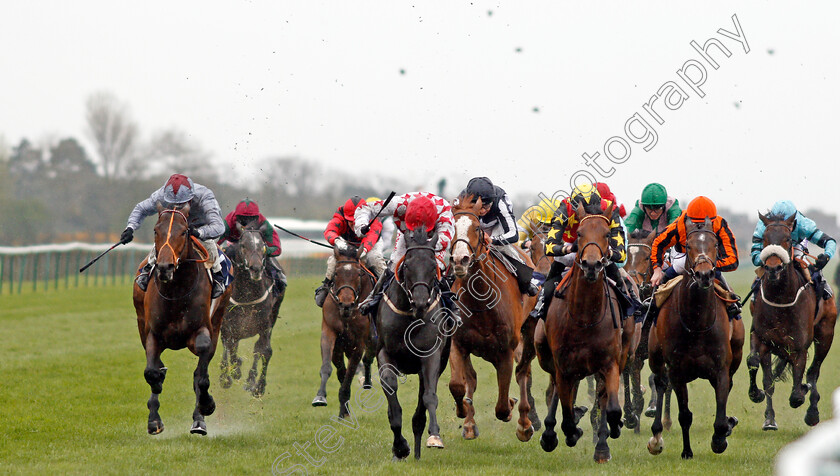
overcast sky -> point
(516, 91)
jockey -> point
(205, 222)
(654, 204)
(804, 231)
(560, 244)
(386, 237)
(247, 212)
(409, 212)
(675, 235)
(535, 220)
(339, 233)
(497, 220)
(605, 193)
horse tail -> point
(781, 369)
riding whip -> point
(366, 228)
(101, 255)
(303, 237)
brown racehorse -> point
(176, 311)
(787, 316)
(586, 335)
(640, 269)
(344, 331)
(694, 338)
(493, 310)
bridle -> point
(334, 292)
(167, 244)
(645, 284)
(601, 263)
(244, 264)
(481, 243)
(431, 286)
(790, 242)
(702, 258)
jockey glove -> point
(194, 232)
(127, 235)
(822, 260)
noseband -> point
(601, 263)
(790, 232)
(169, 235)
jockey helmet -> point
(178, 189)
(546, 209)
(481, 187)
(247, 208)
(373, 199)
(350, 206)
(585, 194)
(421, 212)
(785, 208)
(654, 194)
(604, 191)
(701, 208)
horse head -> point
(701, 248)
(639, 266)
(419, 271)
(469, 237)
(777, 245)
(593, 242)
(251, 249)
(172, 240)
(347, 283)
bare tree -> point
(172, 151)
(113, 131)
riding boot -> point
(321, 292)
(447, 298)
(733, 309)
(218, 284)
(143, 278)
(277, 275)
(669, 274)
(821, 285)
(372, 301)
(547, 292)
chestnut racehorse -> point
(344, 331)
(587, 335)
(492, 310)
(176, 311)
(788, 316)
(693, 338)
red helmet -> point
(421, 212)
(247, 208)
(604, 191)
(350, 206)
(701, 208)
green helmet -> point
(654, 194)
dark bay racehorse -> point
(414, 336)
(344, 331)
(640, 269)
(694, 338)
(252, 310)
(586, 335)
(176, 311)
(493, 310)
(787, 317)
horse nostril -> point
(464, 261)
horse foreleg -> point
(638, 395)
(418, 421)
(566, 393)
(629, 413)
(757, 349)
(525, 426)
(225, 379)
(823, 337)
(798, 390)
(524, 366)
(155, 374)
(344, 391)
(367, 360)
(685, 417)
(262, 353)
(204, 403)
(327, 345)
(548, 440)
(457, 379)
(388, 379)
(430, 374)
(723, 423)
(657, 367)
(602, 449)
(504, 371)
(470, 429)
(764, 358)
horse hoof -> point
(571, 440)
(548, 441)
(687, 454)
(631, 421)
(797, 401)
(401, 451)
(236, 374)
(470, 432)
(667, 424)
(198, 428)
(319, 401)
(526, 434)
(434, 441)
(397, 460)
(225, 381)
(656, 445)
(719, 445)
(602, 457)
(365, 383)
(756, 395)
(650, 411)
(155, 427)
(535, 423)
(812, 417)
(769, 425)
(579, 413)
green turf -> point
(74, 401)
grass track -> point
(73, 402)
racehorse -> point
(344, 331)
(414, 336)
(787, 317)
(176, 311)
(587, 335)
(252, 310)
(692, 338)
(640, 269)
(493, 309)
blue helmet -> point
(785, 208)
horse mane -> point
(639, 234)
(349, 251)
(465, 202)
(775, 217)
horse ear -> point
(159, 207)
(359, 252)
(239, 227)
(335, 252)
(609, 212)
(186, 209)
(707, 223)
(478, 204)
(791, 222)
(264, 227)
(763, 218)
(580, 212)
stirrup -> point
(142, 279)
(370, 303)
(218, 285)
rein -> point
(645, 284)
(429, 286)
(702, 258)
(362, 272)
(579, 258)
(177, 256)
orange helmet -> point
(700, 208)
